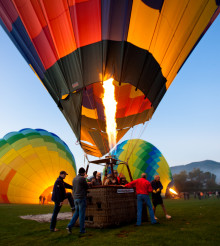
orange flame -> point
(173, 191)
(110, 111)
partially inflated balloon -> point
(74, 45)
(30, 162)
(143, 157)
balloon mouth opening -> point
(46, 196)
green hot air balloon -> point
(30, 162)
(142, 157)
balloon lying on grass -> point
(75, 45)
(143, 157)
(30, 162)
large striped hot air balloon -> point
(30, 162)
(75, 45)
(143, 157)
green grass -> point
(194, 222)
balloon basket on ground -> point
(112, 205)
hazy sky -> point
(185, 126)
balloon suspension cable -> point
(140, 134)
(128, 154)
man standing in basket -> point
(143, 188)
(156, 196)
(80, 187)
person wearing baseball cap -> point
(58, 196)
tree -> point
(195, 180)
(180, 180)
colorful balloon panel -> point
(142, 157)
(30, 162)
(74, 45)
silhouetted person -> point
(93, 177)
(116, 178)
(187, 195)
(40, 199)
(97, 181)
(194, 194)
(123, 180)
(156, 196)
(80, 187)
(58, 196)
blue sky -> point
(185, 126)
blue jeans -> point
(80, 210)
(56, 210)
(140, 199)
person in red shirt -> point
(143, 188)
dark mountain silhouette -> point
(205, 166)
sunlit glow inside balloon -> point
(173, 191)
(110, 104)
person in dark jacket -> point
(58, 196)
(156, 196)
(80, 187)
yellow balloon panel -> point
(30, 162)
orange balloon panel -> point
(73, 45)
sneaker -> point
(168, 216)
(69, 230)
(155, 218)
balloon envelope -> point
(143, 157)
(74, 45)
(30, 162)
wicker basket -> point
(106, 207)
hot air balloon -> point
(73, 46)
(143, 157)
(30, 162)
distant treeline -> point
(195, 180)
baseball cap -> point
(63, 172)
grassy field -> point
(194, 222)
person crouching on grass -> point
(156, 196)
(143, 188)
